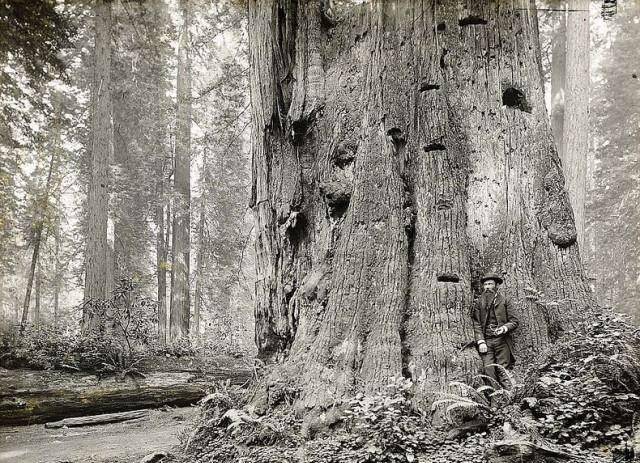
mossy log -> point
(30, 397)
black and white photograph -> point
(319, 231)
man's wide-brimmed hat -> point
(492, 276)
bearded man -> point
(493, 322)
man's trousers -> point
(498, 352)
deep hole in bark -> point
(299, 129)
(361, 36)
(396, 136)
(425, 86)
(514, 98)
(327, 14)
(289, 290)
(441, 27)
(344, 154)
(337, 196)
(297, 231)
(472, 21)
(434, 147)
(442, 62)
(338, 210)
(564, 242)
(444, 204)
(448, 278)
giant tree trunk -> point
(575, 144)
(97, 252)
(399, 152)
(180, 298)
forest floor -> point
(126, 442)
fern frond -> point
(481, 389)
(441, 402)
(465, 387)
(503, 392)
(466, 406)
(494, 383)
(449, 395)
(437, 403)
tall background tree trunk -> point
(36, 309)
(161, 260)
(180, 296)
(197, 305)
(399, 152)
(575, 144)
(57, 278)
(98, 254)
(42, 207)
(558, 67)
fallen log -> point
(519, 451)
(92, 420)
(154, 457)
(30, 397)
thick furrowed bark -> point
(180, 308)
(389, 178)
(97, 251)
(519, 218)
(437, 324)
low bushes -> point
(125, 337)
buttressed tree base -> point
(401, 149)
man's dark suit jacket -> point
(504, 315)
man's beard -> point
(489, 290)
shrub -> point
(127, 330)
(40, 348)
(587, 391)
(180, 347)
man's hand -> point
(482, 347)
(502, 330)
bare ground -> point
(113, 443)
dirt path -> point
(113, 443)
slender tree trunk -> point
(575, 145)
(98, 255)
(398, 154)
(3, 307)
(199, 270)
(36, 308)
(121, 159)
(558, 66)
(200, 258)
(161, 267)
(180, 297)
(41, 216)
(161, 253)
(57, 278)
(30, 276)
(162, 165)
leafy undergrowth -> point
(127, 340)
(579, 400)
(587, 391)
